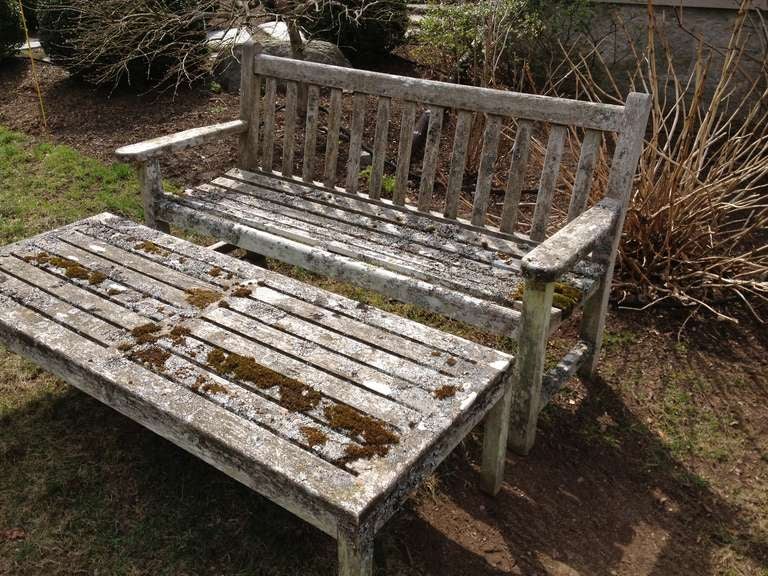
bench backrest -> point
(355, 94)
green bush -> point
(151, 41)
(359, 27)
(11, 32)
(493, 41)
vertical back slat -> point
(332, 141)
(516, 177)
(359, 101)
(485, 172)
(310, 135)
(431, 151)
(585, 171)
(268, 148)
(291, 97)
(404, 152)
(250, 93)
(548, 182)
(379, 146)
(458, 163)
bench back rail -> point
(357, 106)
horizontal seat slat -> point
(454, 304)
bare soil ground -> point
(657, 467)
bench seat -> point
(448, 266)
(330, 408)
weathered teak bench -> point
(465, 269)
(334, 410)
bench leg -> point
(495, 441)
(355, 555)
(529, 365)
(151, 182)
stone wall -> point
(683, 29)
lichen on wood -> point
(444, 392)
(151, 248)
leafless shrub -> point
(697, 227)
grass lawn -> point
(658, 467)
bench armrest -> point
(180, 140)
(558, 253)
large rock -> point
(226, 69)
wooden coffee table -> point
(330, 408)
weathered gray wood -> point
(233, 445)
(495, 437)
(332, 140)
(585, 171)
(355, 555)
(489, 101)
(359, 102)
(151, 184)
(548, 182)
(451, 303)
(289, 129)
(250, 97)
(623, 167)
(268, 144)
(379, 147)
(556, 378)
(332, 307)
(516, 178)
(529, 366)
(150, 149)
(562, 250)
(458, 162)
(431, 151)
(401, 221)
(485, 171)
(310, 134)
(404, 152)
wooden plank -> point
(404, 216)
(296, 366)
(151, 185)
(235, 446)
(430, 241)
(458, 162)
(367, 244)
(289, 130)
(548, 182)
(268, 149)
(355, 555)
(332, 140)
(180, 140)
(379, 147)
(485, 171)
(495, 102)
(310, 134)
(516, 178)
(556, 378)
(359, 102)
(109, 309)
(250, 96)
(399, 377)
(585, 171)
(404, 152)
(431, 151)
(336, 305)
(450, 278)
(451, 303)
